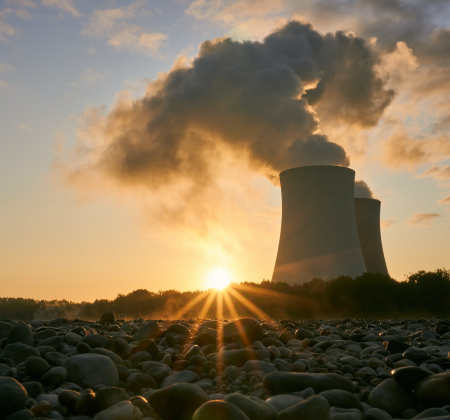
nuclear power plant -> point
(367, 213)
(325, 231)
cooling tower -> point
(367, 213)
(318, 230)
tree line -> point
(422, 294)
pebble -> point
(123, 410)
(267, 370)
(13, 396)
(219, 410)
(434, 390)
(285, 382)
(178, 402)
(20, 333)
(88, 370)
(254, 408)
(313, 408)
(391, 397)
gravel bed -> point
(247, 369)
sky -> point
(141, 140)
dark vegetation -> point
(422, 294)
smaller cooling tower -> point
(318, 230)
(367, 213)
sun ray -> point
(191, 304)
(270, 293)
(219, 306)
(249, 305)
(207, 304)
(235, 315)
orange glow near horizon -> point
(227, 296)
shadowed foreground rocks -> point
(248, 369)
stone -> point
(83, 348)
(123, 410)
(72, 339)
(93, 340)
(182, 377)
(219, 410)
(20, 333)
(341, 399)
(254, 408)
(302, 333)
(5, 370)
(68, 398)
(44, 334)
(107, 316)
(123, 371)
(89, 370)
(54, 376)
(13, 396)
(204, 339)
(298, 367)
(313, 408)
(235, 357)
(408, 376)
(113, 356)
(178, 402)
(337, 413)
(42, 410)
(395, 346)
(85, 405)
(434, 390)
(51, 399)
(416, 355)
(253, 365)
(158, 373)
(178, 329)
(192, 351)
(286, 335)
(138, 381)
(283, 401)
(433, 413)
(405, 363)
(36, 366)
(33, 389)
(148, 330)
(19, 352)
(109, 396)
(204, 384)
(247, 330)
(5, 328)
(55, 342)
(21, 415)
(144, 407)
(55, 359)
(149, 346)
(285, 382)
(198, 361)
(140, 357)
(376, 414)
(391, 397)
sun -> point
(219, 278)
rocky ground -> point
(358, 369)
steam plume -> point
(362, 190)
(252, 101)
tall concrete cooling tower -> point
(367, 212)
(318, 229)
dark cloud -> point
(252, 100)
(362, 190)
